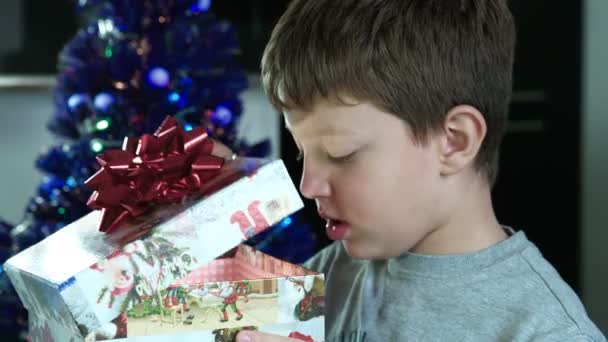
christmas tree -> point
(133, 63)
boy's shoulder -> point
(509, 284)
(547, 302)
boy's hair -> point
(413, 58)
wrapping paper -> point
(83, 284)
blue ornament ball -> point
(159, 77)
(222, 116)
(103, 101)
(201, 6)
(76, 100)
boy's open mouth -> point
(336, 229)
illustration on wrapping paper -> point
(206, 306)
(312, 303)
(156, 285)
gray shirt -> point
(507, 292)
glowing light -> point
(103, 101)
(173, 97)
(159, 77)
(71, 182)
(222, 115)
(286, 222)
(76, 100)
(102, 124)
(61, 210)
(188, 127)
(201, 6)
(96, 146)
(105, 27)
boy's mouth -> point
(337, 230)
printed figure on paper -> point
(302, 298)
(176, 295)
(229, 293)
(212, 305)
(139, 269)
(313, 303)
(134, 275)
(117, 328)
(254, 219)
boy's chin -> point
(361, 250)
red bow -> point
(155, 169)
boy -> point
(398, 108)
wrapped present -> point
(164, 257)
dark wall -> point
(538, 188)
(47, 25)
(254, 20)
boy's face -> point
(378, 189)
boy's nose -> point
(313, 184)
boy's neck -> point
(470, 226)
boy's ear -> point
(463, 132)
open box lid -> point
(253, 195)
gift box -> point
(177, 270)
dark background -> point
(538, 188)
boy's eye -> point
(341, 159)
(335, 159)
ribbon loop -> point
(155, 169)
